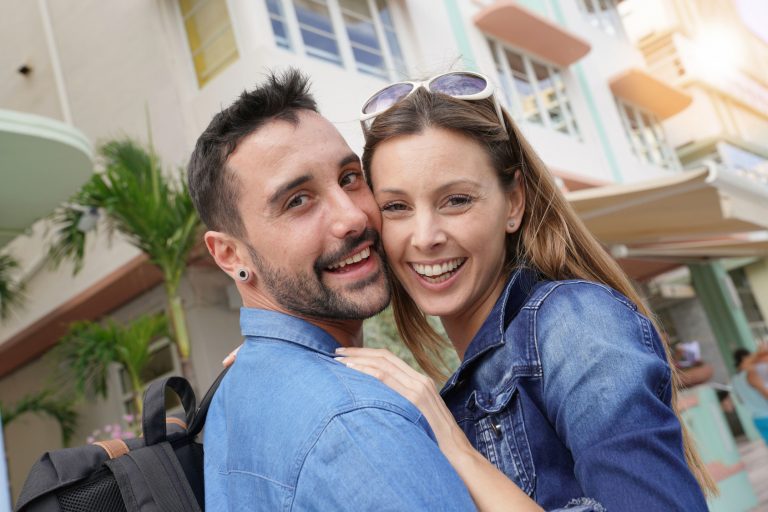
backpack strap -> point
(153, 474)
(114, 447)
(198, 421)
(153, 417)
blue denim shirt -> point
(566, 389)
(292, 429)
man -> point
(293, 222)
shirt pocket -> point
(502, 439)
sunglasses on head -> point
(462, 85)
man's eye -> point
(297, 201)
(350, 178)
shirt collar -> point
(262, 323)
(491, 333)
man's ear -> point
(227, 253)
(516, 199)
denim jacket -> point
(566, 389)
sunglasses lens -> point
(458, 84)
(387, 97)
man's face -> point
(312, 225)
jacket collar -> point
(262, 323)
(491, 333)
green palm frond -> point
(11, 293)
(85, 353)
(88, 349)
(151, 209)
(133, 343)
(47, 404)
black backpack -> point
(161, 471)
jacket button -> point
(496, 427)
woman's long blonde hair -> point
(551, 239)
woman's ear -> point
(228, 255)
(516, 198)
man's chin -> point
(370, 296)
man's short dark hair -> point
(214, 187)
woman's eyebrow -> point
(441, 188)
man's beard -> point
(305, 293)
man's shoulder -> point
(278, 370)
(276, 402)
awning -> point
(516, 25)
(736, 246)
(685, 207)
(42, 163)
(643, 90)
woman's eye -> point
(459, 200)
(296, 201)
(350, 178)
(393, 207)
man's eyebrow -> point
(351, 158)
(287, 187)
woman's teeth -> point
(355, 258)
(438, 273)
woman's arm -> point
(489, 487)
(606, 389)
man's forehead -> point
(279, 139)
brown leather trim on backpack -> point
(176, 421)
(114, 447)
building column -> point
(723, 307)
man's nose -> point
(349, 219)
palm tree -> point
(11, 294)
(155, 213)
(89, 349)
(46, 404)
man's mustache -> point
(350, 244)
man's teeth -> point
(360, 256)
(436, 270)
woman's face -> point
(445, 220)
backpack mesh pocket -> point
(100, 494)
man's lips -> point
(358, 256)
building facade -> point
(590, 96)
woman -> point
(565, 384)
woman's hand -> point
(489, 487)
(416, 388)
(230, 359)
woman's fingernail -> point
(340, 349)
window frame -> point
(202, 79)
(390, 71)
(638, 141)
(607, 21)
(511, 96)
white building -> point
(568, 72)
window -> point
(279, 24)
(162, 363)
(356, 34)
(535, 91)
(210, 36)
(646, 137)
(603, 14)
